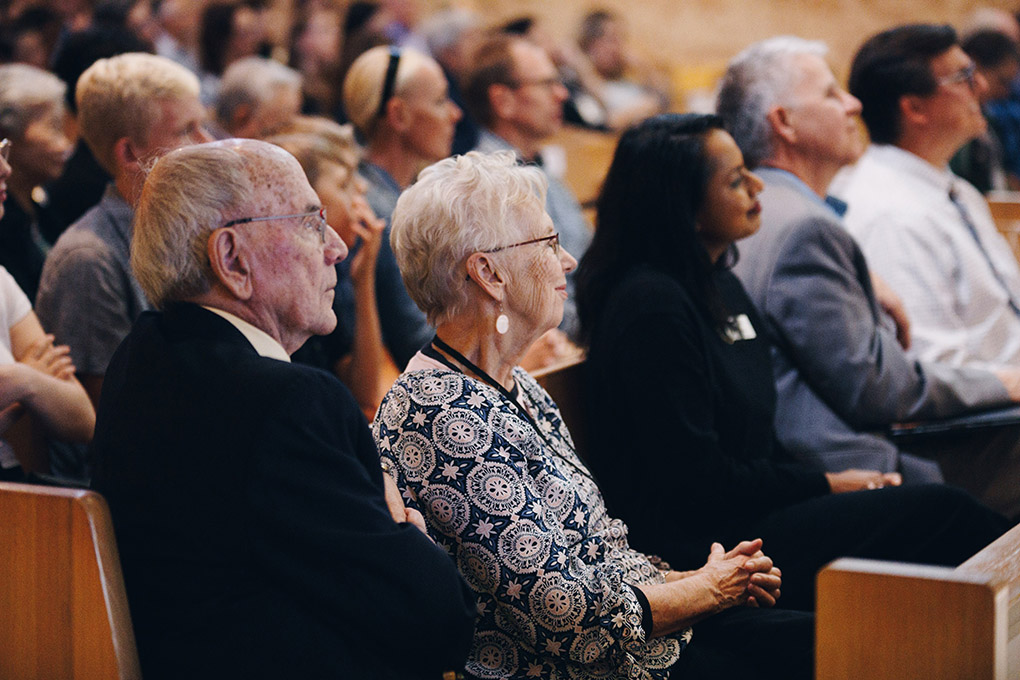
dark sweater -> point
(681, 420)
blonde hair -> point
(314, 141)
(363, 86)
(120, 97)
(459, 206)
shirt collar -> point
(786, 177)
(906, 162)
(263, 343)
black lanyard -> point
(430, 351)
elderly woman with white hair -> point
(32, 118)
(481, 450)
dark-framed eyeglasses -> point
(553, 240)
(5, 149)
(967, 74)
(313, 219)
(390, 82)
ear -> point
(481, 269)
(779, 119)
(913, 109)
(398, 115)
(124, 155)
(230, 263)
(501, 100)
(241, 117)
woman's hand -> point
(742, 575)
(860, 480)
(369, 229)
(44, 356)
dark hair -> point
(647, 209)
(893, 64)
(217, 27)
(593, 27)
(491, 63)
(84, 48)
(990, 48)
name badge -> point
(739, 328)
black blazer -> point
(248, 504)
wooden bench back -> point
(63, 610)
(887, 620)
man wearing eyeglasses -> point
(258, 536)
(924, 230)
(515, 92)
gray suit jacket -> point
(841, 375)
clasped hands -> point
(743, 575)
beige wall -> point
(698, 32)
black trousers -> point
(926, 524)
(742, 643)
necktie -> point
(965, 216)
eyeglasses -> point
(5, 149)
(314, 219)
(554, 243)
(390, 82)
(967, 74)
(547, 83)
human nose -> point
(979, 84)
(567, 261)
(335, 249)
(560, 92)
(201, 135)
(754, 184)
(455, 113)
(851, 103)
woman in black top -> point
(683, 401)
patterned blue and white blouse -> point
(527, 527)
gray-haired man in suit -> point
(839, 335)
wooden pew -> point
(63, 610)
(1005, 209)
(887, 620)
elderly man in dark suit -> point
(257, 536)
(838, 334)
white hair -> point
(756, 80)
(188, 194)
(459, 206)
(25, 93)
(252, 81)
(445, 28)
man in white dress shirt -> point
(926, 231)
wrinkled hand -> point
(369, 228)
(859, 480)
(552, 348)
(892, 305)
(741, 574)
(54, 360)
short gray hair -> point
(25, 93)
(188, 194)
(445, 28)
(253, 81)
(756, 80)
(459, 206)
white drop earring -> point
(502, 321)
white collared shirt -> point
(915, 238)
(263, 342)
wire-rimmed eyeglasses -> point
(313, 219)
(554, 243)
(967, 74)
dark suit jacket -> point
(248, 504)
